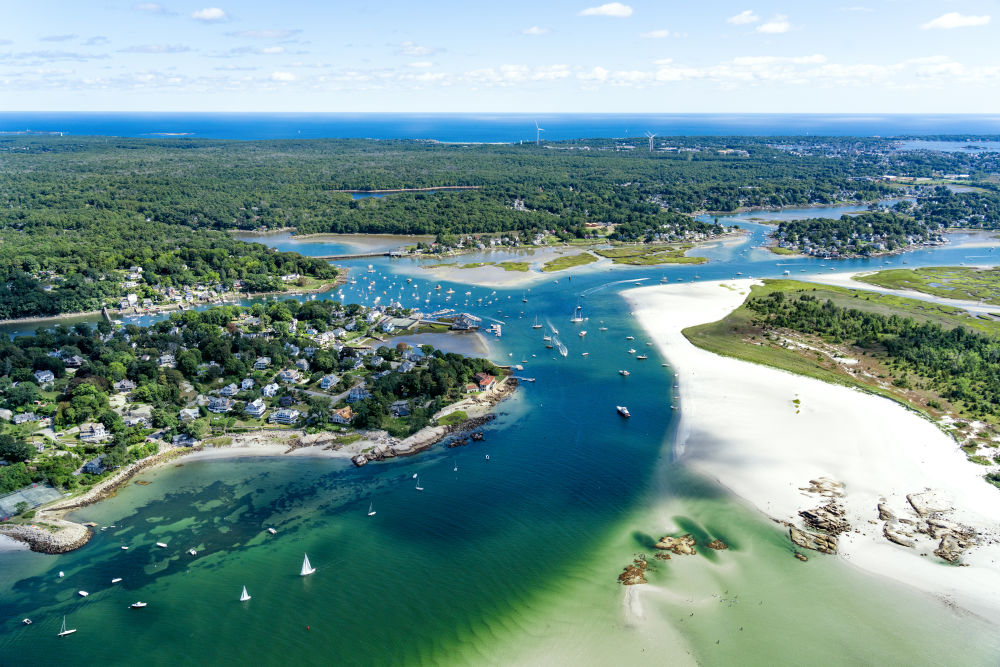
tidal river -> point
(510, 559)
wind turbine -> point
(650, 135)
(538, 134)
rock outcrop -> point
(817, 542)
(682, 546)
(66, 536)
(635, 573)
(717, 544)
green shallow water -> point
(507, 561)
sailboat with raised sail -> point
(371, 508)
(307, 569)
(536, 325)
(64, 631)
(418, 487)
(245, 596)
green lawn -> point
(953, 282)
(568, 262)
(453, 418)
(778, 250)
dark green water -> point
(511, 560)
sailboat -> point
(64, 631)
(418, 487)
(245, 596)
(371, 508)
(307, 569)
(536, 325)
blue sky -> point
(542, 56)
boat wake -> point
(590, 291)
(560, 346)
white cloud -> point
(413, 49)
(97, 40)
(155, 48)
(265, 34)
(955, 20)
(209, 15)
(56, 38)
(151, 7)
(422, 64)
(282, 76)
(534, 30)
(744, 17)
(272, 50)
(775, 26)
(615, 9)
(655, 34)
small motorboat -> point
(624, 372)
(623, 411)
(161, 545)
(272, 531)
(27, 621)
(124, 548)
(61, 575)
(642, 357)
(116, 580)
(631, 350)
(629, 337)
(137, 605)
(582, 334)
(83, 594)
(192, 552)
(585, 354)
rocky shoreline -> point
(430, 436)
(52, 534)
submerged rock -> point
(717, 544)
(801, 557)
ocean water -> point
(511, 560)
(486, 127)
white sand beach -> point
(739, 426)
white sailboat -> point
(64, 631)
(245, 596)
(371, 508)
(307, 569)
(418, 487)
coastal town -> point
(83, 403)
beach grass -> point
(738, 336)
(568, 262)
(952, 282)
(778, 250)
(514, 266)
(645, 255)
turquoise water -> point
(508, 560)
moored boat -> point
(624, 372)
(137, 605)
(623, 411)
(161, 545)
(64, 631)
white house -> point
(44, 377)
(246, 384)
(261, 363)
(220, 405)
(255, 408)
(270, 389)
(328, 381)
(284, 416)
(229, 390)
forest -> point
(959, 364)
(76, 211)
